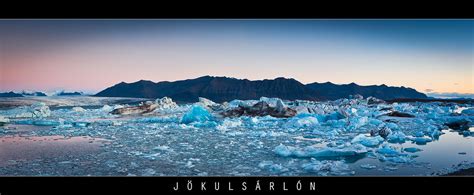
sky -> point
(431, 56)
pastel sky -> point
(434, 56)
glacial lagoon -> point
(79, 136)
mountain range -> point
(220, 89)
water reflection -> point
(24, 148)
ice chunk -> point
(422, 140)
(37, 110)
(302, 120)
(368, 166)
(284, 151)
(396, 137)
(261, 108)
(310, 151)
(164, 119)
(107, 108)
(387, 150)
(204, 102)
(382, 131)
(81, 124)
(326, 167)
(397, 159)
(163, 148)
(357, 122)
(393, 154)
(142, 108)
(272, 167)
(3, 120)
(229, 123)
(165, 103)
(196, 114)
(78, 109)
(412, 150)
(331, 116)
(148, 172)
(242, 103)
(273, 102)
(367, 140)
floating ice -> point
(396, 137)
(229, 124)
(302, 120)
(310, 151)
(81, 124)
(165, 103)
(273, 168)
(367, 140)
(420, 140)
(78, 109)
(37, 110)
(107, 108)
(368, 166)
(393, 154)
(208, 104)
(3, 120)
(412, 150)
(388, 150)
(196, 114)
(39, 122)
(357, 122)
(327, 167)
(272, 102)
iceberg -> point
(396, 137)
(262, 108)
(397, 159)
(302, 120)
(37, 110)
(382, 131)
(421, 140)
(78, 109)
(208, 104)
(107, 108)
(357, 122)
(3, 120)
(310, 151)
(272, 167)
(326, 167)
(412, 150)
(229, 124)
(367, 141)
(165, 103)
(38, 122)
(196, 114)
(387, 150)
(368, 166)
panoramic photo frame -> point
(257, 98)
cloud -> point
(429, 90)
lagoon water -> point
(94, 142)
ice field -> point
(127, 136)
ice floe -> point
(310, 151)
(367, 140)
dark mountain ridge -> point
(220, 89)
